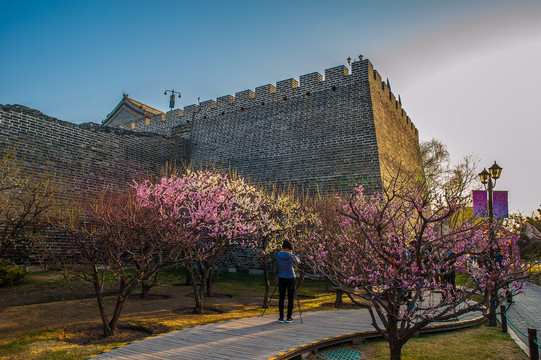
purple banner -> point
(480, 202)
(500, 205)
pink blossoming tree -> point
(204, 213)
(399, 249)
(110, 234)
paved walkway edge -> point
(370, 334)
(517, 340)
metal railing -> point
(533, 344)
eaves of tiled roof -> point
(135, 105)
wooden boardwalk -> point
(253, 338)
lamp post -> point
(488, 178)
(172, 97)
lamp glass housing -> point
(495, 171)
(484, 175)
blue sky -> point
(468, 72)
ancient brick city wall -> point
(345, 126)
(313, 134)
(397, 137)
(318, 131)
(83, 157)
(86, 156)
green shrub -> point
(10, 274)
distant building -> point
(129, 112)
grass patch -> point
(44, 344)
(49, 344)
(22, 341)
(239, 284)
(480, 342)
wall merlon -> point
(362, 68)
(190, 110)
(311, 82)
(158, 118)
(175, 113)
(265, 92)
(207, 105)
(376, 75)
(244, 98)
(336, 75)
(226, 100)
(286, 87)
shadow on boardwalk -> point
(254, 338)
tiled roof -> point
(134, 105)
(144, 107)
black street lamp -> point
(487, 178)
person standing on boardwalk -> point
(285, 259)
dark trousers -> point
(283, 285)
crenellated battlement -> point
(289, 89)
(342, 81)
(386, 89)
(284, 89)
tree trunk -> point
(492, 307)
(199, 307)
(338, 302)
(197, 291)
(124, 292)
(395, 344)
(210, 293)
(107, 331)
(98, 290)
(396, 351)
(209, 270)
(147, 284)
(120, 302)
(208, 283)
